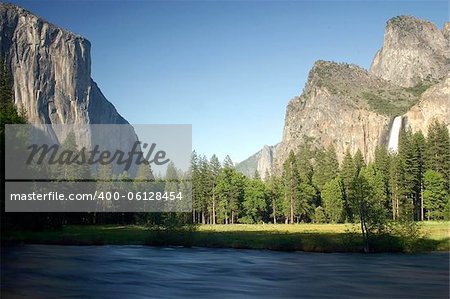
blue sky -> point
(228, 68)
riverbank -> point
(302, 237)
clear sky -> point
(228, 68)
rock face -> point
(344, 106)
(413, 50)
(51, 73)
(262, 161)
(265, 163)
(347, 107)
(433, 106)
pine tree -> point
(436, 196)
(6, 95)
(195, 176)
(291, 180)
(332, 200)
(305, 167)
(319, 215)
(203, 190)
(383, 166)
(326, 167)
(9, 114)
(254, 201)
(275, 195)
(438, 150)
(419, 148)
(410, 185)
(228, 163)
(230, 188)
(238, 190)
(215, 169)
(304, 205)
(358, 159)
(348, 174)
(379, 197)
(171, 178)
(396, 185)
(69, 170)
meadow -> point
(434, 236)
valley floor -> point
(435, 236)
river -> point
(48, 271)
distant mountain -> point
(262, 161)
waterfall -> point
(394, 134)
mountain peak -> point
(414, 51)
(50, 72)
(407, 22)
(10, 11)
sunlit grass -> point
(307, 237)
(433, 229)
(436, 229)
(286, 228)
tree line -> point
(412, 184)
(312, 186)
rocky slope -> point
(347, 107)
(433, 106)
(344, 106)
(51, 73)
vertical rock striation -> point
(262, 162)
(413, 50)
(51, 73)
(344, 106)
(347, 107)
(433, 106)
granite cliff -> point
(51, 74)
(262, 162)
(351, 108)
(414, 51)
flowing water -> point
(47, 271)
(394, 134)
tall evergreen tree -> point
(396, 186)
(358, 159)
(275, 195)
(326, 167)
(438, 150)
(410, 184)
(348, 174)
(419, 148)
(291, 179)
(436, 196)
(305, 167)
(383, 166)
(254, 204)
(230, 190)
(196, 186)
(215, 169)
(304, 205)
(203, 192)
(332, 200)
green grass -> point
(305, 237)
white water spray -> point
(394, 134)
